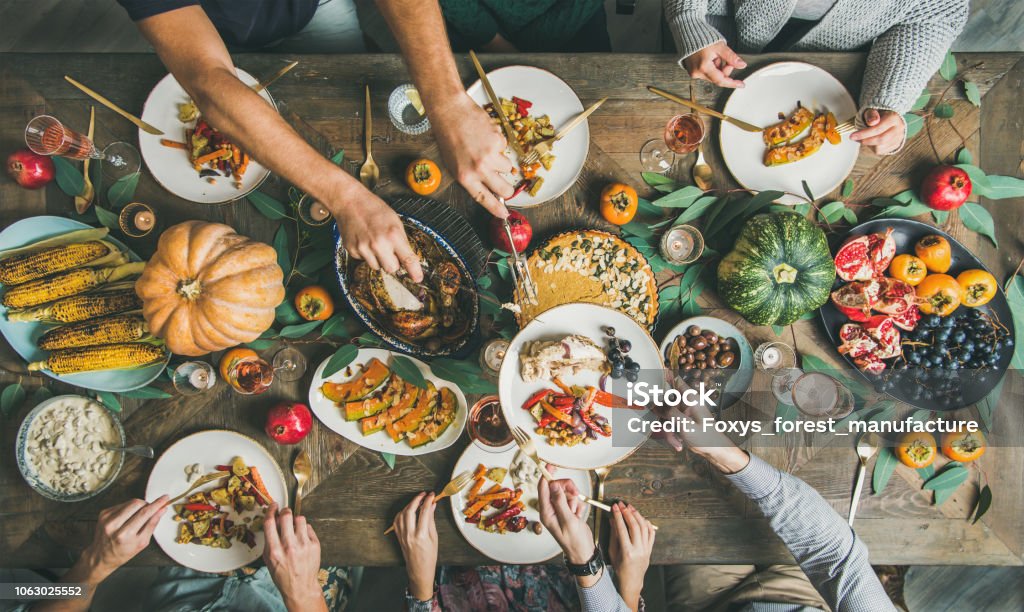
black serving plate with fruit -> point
(935, 371)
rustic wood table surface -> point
(353, 495)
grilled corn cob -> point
(82, 307)
(62, 285)
(104, 357)
(127, 327)
(37, 264)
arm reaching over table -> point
(417, 535)
(826, 548)
(472, 145)
(190, 47)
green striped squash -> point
(779, 269)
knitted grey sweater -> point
(908, 38)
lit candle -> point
(682, 244)
(319, 212)
(199, 378)
(144, 220)
(771, 357)
(494, 353)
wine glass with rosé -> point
(250, 374)
(46, 135)
(683, 134)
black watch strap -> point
(590, 568)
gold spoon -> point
(703, 176)
(302, 470)
(369, 173)
(865, 449)
(602, 474)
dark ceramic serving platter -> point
(906, 233)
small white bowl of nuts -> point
(61, 448)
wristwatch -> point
(590, 568)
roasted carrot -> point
(491, 497)
(475, 508)
(473, 492)
(257, 481)
(219, 154)
(174, 144)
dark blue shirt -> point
(241, 23)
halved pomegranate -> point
(907, 320)
(864, 257)
(870, 364)
(856, 299)
(894, 296)
(882, 329)
(856, 342)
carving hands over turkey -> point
(716, 63)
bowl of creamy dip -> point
(60, 448)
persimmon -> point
(935, 252)
(618, 203)
(963, 446)
(233, 356)
(916, 449)
(314, 303)
(938, 294)
(909, 269)
(423, 176)
(978, 287)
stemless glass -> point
(46, 135)
(818, 395)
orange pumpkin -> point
(207, 288)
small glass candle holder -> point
(492, 354)
(682, 244)
(775, 358)
(312, 212)
(137, 220)
(193, 377)
(817, 395)
(403, 110)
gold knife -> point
(743, 125)
(510, 134)
(117, 109)
(280, 73)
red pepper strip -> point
(563, 401)
(545, 420)
(520, 187)
(558, 414)
(564, 387)
(536, 397)
(614, 401)
(200, 507)
(264, 501)
(522, 106)
(592, 425)
(514, 510)
(223, 468)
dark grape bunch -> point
(945, 354)
(622, 364)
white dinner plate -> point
(330, 414)
(588, 320)
(23, 335)
(740, 380)
(775, 89)
(525, 546)
(553, 97)
(171, 167)
(209, 449)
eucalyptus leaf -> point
(907, 196)
(11, 398)
(389, 459)
(69, 177)
(260, 344)
(340, 360)
(963, 156)
(885, 465)
(694, 212)
(983, 504)
(922, 101)
(979, 180)
(41, 394)
(408, 371)
(785, 412)
(665, 188)
(847, 188)
(109, 401)
(680, 198)
(1000, 187)
(285, 313)
(914, 124)
(975, 217)
(940, 216)
(740, 212)
(903, 212)
(338, 157)
(944, 110)
(146, 393)
(926, 472)
(105, 217)
(284, 257)
(335, 326)
(1015, 298)
(646, 207)
(948, 68)
(637, 228)
(369, 339)
(300, 330)
(807, 190)
(972, 93)
(314, 261)
(123, 190)
(988, 404)
(832, 212)
(948, 479)
(654, 179)
(850, 216)
(267, 206)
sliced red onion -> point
(568, 350)
(603, 382)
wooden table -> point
(353, 494)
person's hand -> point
(122, 532)
(715, 63)
(562, 513)
(474, 148)
(292, 555)
(372, 231)
(417, 535)
(885, 132)
(632, 541)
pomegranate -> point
(856, 299)
(864, 257)
(856, 342)
(30, 170)
(522, 232)
(894, 296)
(907, 320)
(870, 364)
(289, 423)
(945, 188)
(882, 329)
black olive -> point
(711, 336)
(700, 356)
(698, 342)
(693, 330)
(725, 359)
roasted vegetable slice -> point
(788, 129)
(402, 406)
(801, 149)
(373, 376)
(440, 419)
(375, 403)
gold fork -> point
(544, 147)
(846, 127)
(525, 444)
(202, 481)
(457, 484)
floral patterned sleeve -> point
(415, 605)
